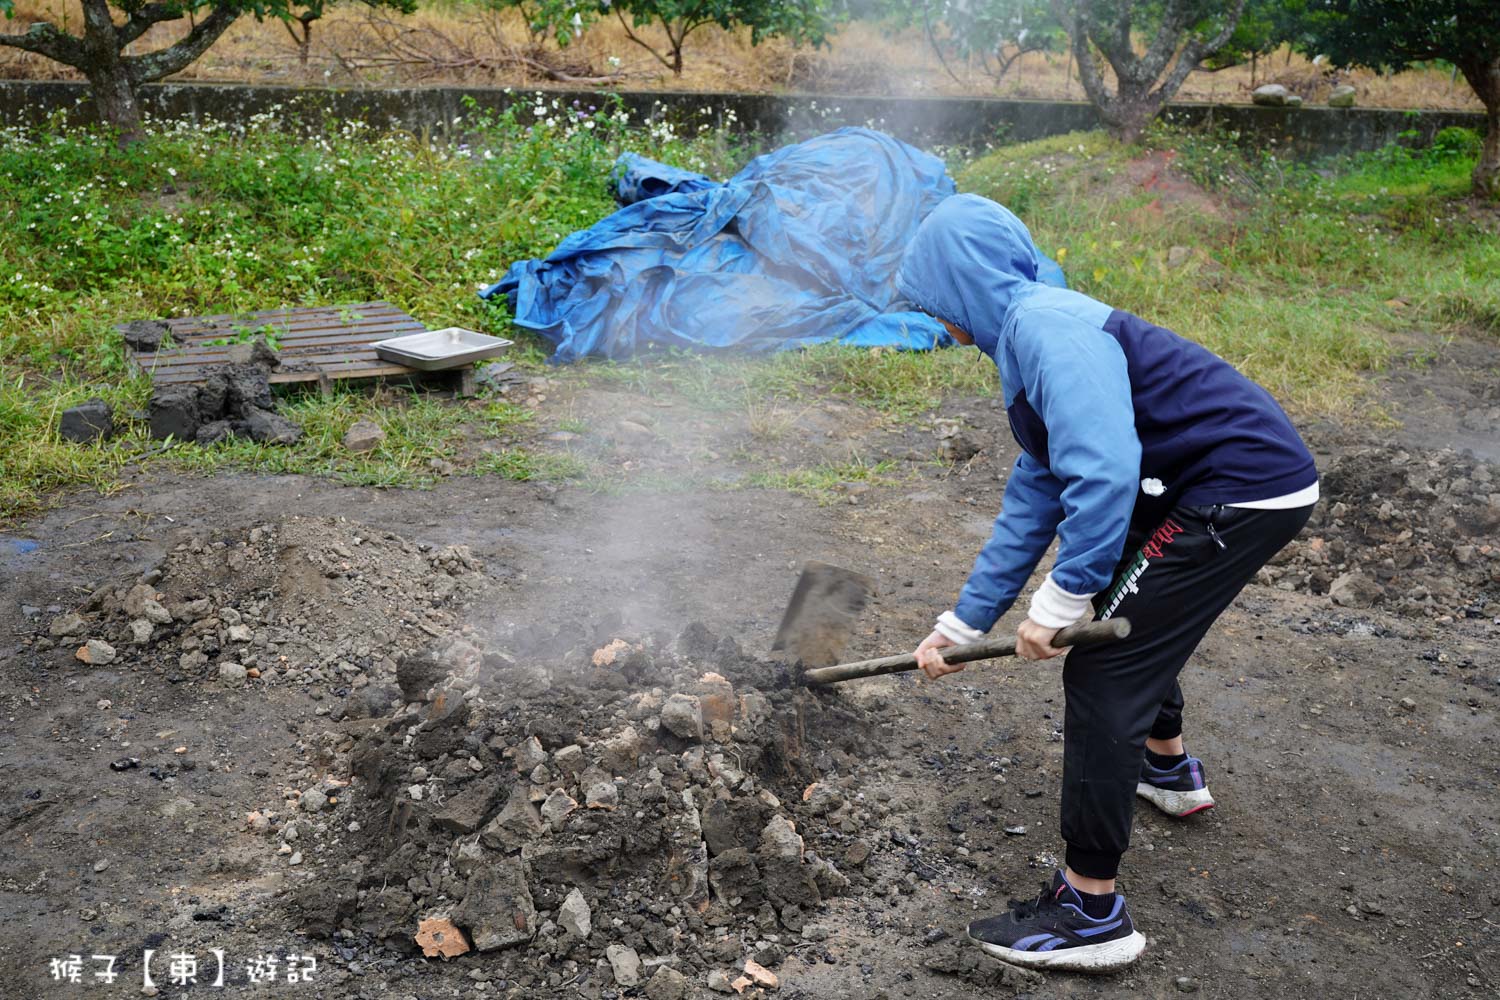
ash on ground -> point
(309, 601)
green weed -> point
(826, 483)
(1299, 274)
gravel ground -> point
(537, 724)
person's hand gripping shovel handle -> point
(1083, 634)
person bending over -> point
(1134, 441)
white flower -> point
(1152, 487)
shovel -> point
(827, 601)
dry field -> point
(455, 43)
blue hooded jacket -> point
(1114, 415)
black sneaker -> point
(1053, 932)
(1180, 791)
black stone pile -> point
(233, 399)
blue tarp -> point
(800, 247)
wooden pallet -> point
(318, 344)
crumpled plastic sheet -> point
(800, 247)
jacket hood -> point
(970, 260)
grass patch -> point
(1301, 275)
(526, 466)
(213, 219)
(826, 483)
(899, 384)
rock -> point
(601, 795)
(1354, 590)
(90, 421)
(517, 824)
(313, 801)
(528, 755)
(370, 701)
(232, 673)
(574, 915)
(619, 753)
(1407, 705)
(444, 726)
(718, 981)
(1187, 984)
(1014, 830)
(779, 840)
(667, 984)
(682, 716)
(145, 335)
(570, 759)
(134, 601)
(363, 435)
(154, 613)
(213, 432)
(821, 798)
(556, 807)
(497, 907)
(441, 937)
(717, 705)
(857, 853)
(734, 879)
(467, 856)
(417, 673)
(1272, 95)
(67, 625)
(465, 811)
(246, 389)
(240, 633)
(760, 975)
(271, 428)
(1342, 96)
(730, 823)
(625, 964)
(174, 412)
(96, 653)
(213, 399)
(1178, 256)
(787, 880)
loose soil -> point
(355, 710)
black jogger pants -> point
(1178, 575)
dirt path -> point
(1353, 751)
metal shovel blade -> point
(820, 616)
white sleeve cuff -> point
(953, 627)
(1054, 607)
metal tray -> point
(436, 350)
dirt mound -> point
(643, 813)
(319, 601)
(1419, 534)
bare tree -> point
(99, 53)
(115, 77)
(1182, 33)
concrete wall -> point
(946, 120)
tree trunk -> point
(1484, 77)
(116, 103)
(1130, 112)
(1487, 170)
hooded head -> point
(969, 261)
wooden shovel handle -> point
(1084, 634)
